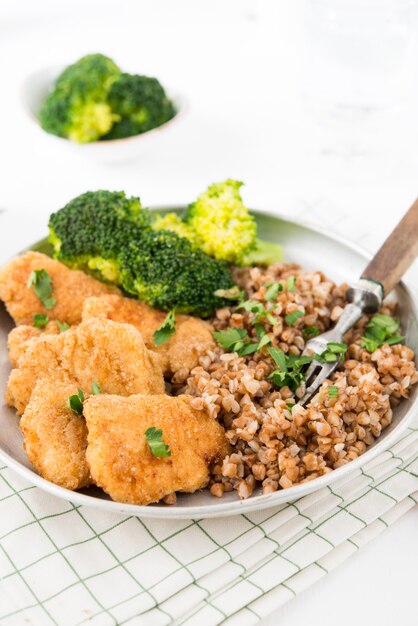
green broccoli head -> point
(88, 232)
(222, 225)
(174, 223)
(140, 103)
(167, 272)
(77, 106)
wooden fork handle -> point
(396, 254)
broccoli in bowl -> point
(93, 100)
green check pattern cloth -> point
(64, 564)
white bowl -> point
(35, 89)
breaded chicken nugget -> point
(121, 461)
(55, 438)
(70, 289)
(20, 336)
(114, 355)
(191, 339)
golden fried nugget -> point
(191, 339)
(20, 336)
(120, 459)
(70, 289)
(55, 438)
(112, 354)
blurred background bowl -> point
(33, 92)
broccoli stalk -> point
(77, 107)
(263, 253)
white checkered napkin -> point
(66, 565)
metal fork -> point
(378, 279)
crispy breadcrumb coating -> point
(70, 289)
(192, 337)
(19, 339)
(55, 438)
(114, 355)
(119, 456)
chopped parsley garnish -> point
(95, 388)
(333, 391)
(235, 293)
(228, 338)
(332, 352)
(310, 331)
(381, 329)
(167, 328)
(40, 320)
(264, 341)
(259, 329)
(290, 372)
(290, 405)
(259, 310)
(156, 444)
(63, 326)
(272, 291)
(41, 282)
(291, 283)
(75, 403)
(235, 340)
(292, 318)
(290, 366)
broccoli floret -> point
(140, 103)
(223, 227)
(77, 106)
(89, 231)
(167, 272)
(174, 223)
(222, 224)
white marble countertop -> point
(239, 63)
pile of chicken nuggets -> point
(109, 342)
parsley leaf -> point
(95, 388)
(331, 352)
(272, 291)
(235, 340)
(292, 318)
(156, 444)
(41, 282)
(229, 337)
(264, 341)
(290, 369)
(333, 391)
(291, 283)
(381, 329)
(63, 326)
(40, 320)
(75, 403)
(235, 293)
(310, 331)
(167, 328)
(259, 310)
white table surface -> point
(239, 65)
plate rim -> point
(258, 502)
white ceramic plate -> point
(35, 89)
(310, 248)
